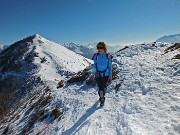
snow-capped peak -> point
(37, 36)
(53, 60)
(59, 58)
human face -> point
(100, 49)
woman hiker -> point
(102, 70)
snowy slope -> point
(147, 103)
(169, 39)
(60, 60)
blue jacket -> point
(102, 63)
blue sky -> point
(87, 21)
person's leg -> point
(102, 84)
(100, 90)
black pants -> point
(102, 81)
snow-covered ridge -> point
(53, 60)
(58, 58)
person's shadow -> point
(80, 123)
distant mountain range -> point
(170, 39)
(80, 49)
(89, 49)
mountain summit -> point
(52, 59)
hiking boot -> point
(102, 104)
(102, 101)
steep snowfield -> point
(58, 59)
(147, 102)
(169, 39)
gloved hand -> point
(109, 79)
(92, 77)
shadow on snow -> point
(82, 121)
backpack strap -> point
(96, 62)
(97, 56)
(93, 56)
(107, 54)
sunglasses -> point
(100, 47)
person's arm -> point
(93, 69)
(110, 67)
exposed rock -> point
(172, 48)
(61, 84)
(176, 56)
